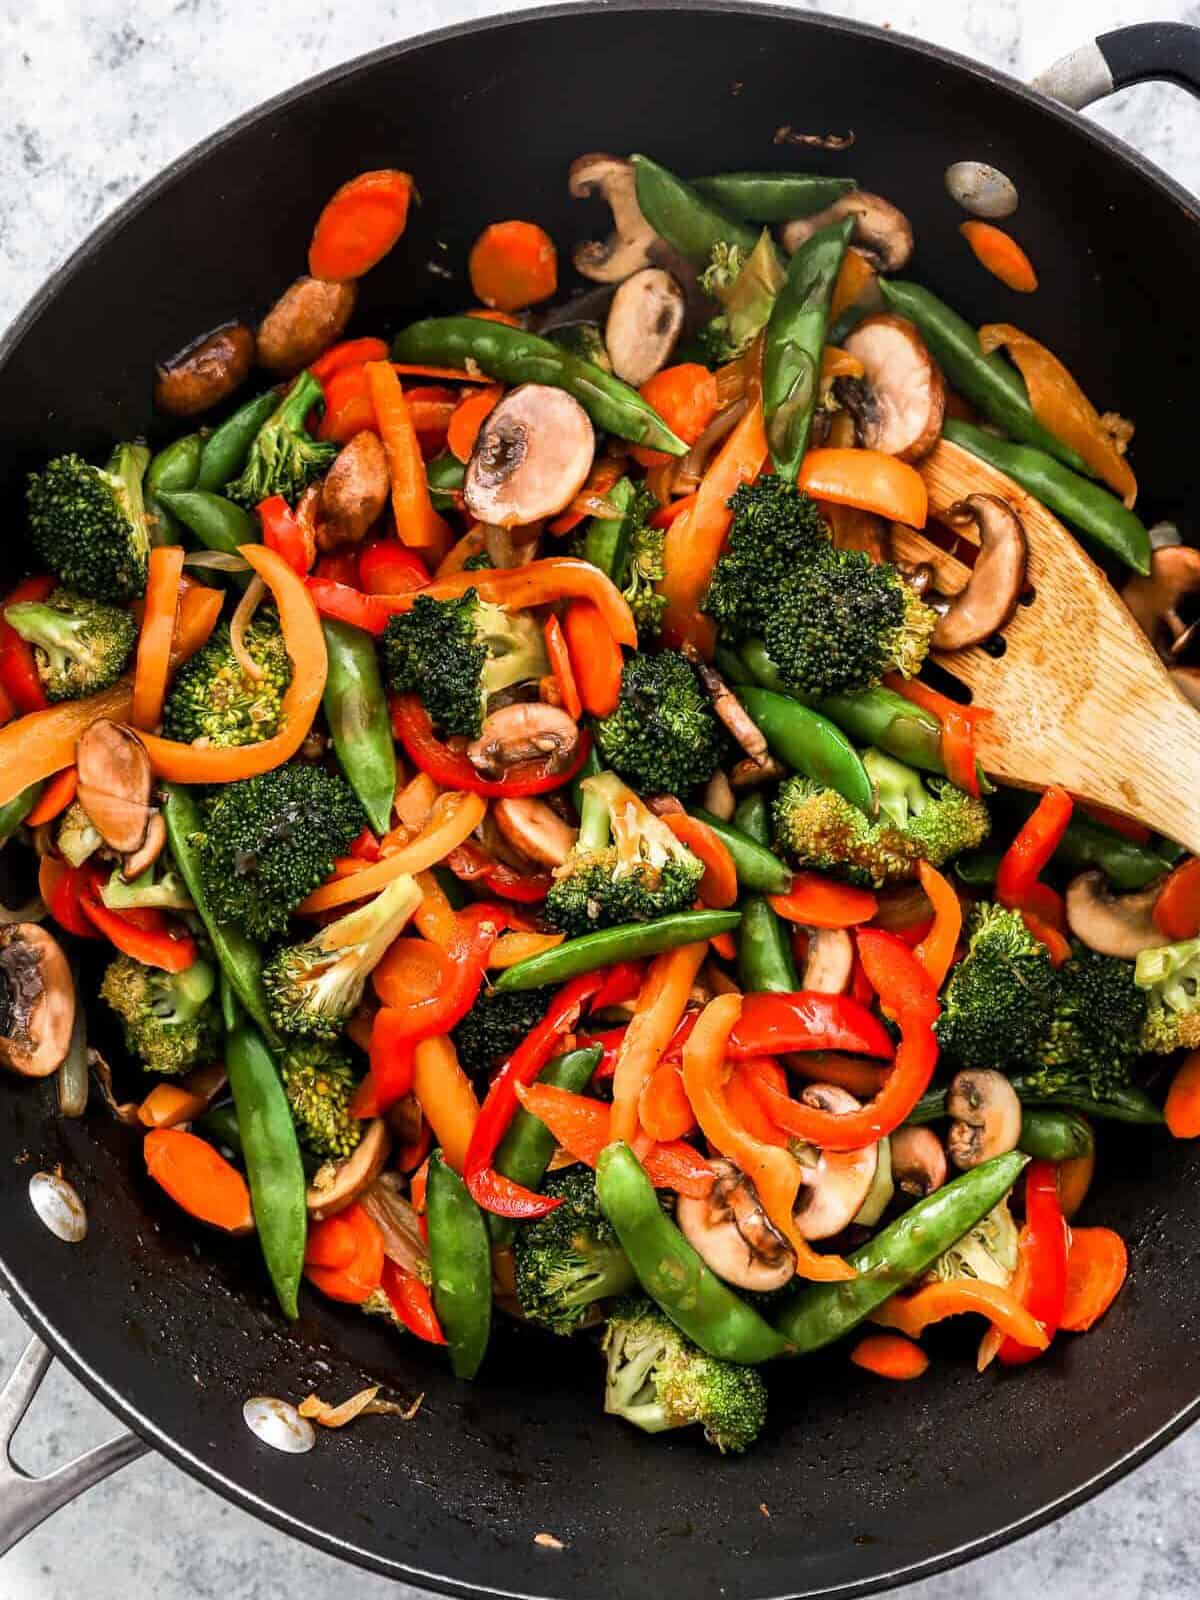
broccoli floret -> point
(570, 1258)
(313, 987)
(319, 1080)
(479, 562)
(159, 888)
(77, 837)
(1000, 999)
(775, 528)
(89, 524)
(658, 1380)
(915, 821)
(284, 458)
(213, 700)
(1094, 1033)
(1170, 976)
(80, 646)
(664, 737)
(494, 1027)
(456, 654)
(626, 866)
(746, 283)
(172, 1019)
(988, 1252)
(269, 841)
(646, 569)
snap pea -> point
(1049, 1134)
(684, 217)
(525, 1150)
(809, 743)
(628, 941)
(794, 340)
(14, 811)
(822, 1312)
(220, 1125)
(754, 863)
(606, 539)
(272, 1156)
(226, 448)
(356, 710)
(671, 1271)
(174, 467)
(1123, 1105)
(520, 357)
(460, 1260)
(1126, 864)
(443, 473)
(765, 964)
(1087, 506)
(990, 382)
(753, 816)
(772, 196)
(215, 521)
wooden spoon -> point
(1081, 698)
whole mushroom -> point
(37, 1000)
(918, 1161)
(835, 1182)
(1166, 604)
(986, 1117)
(882, 233)
(1120, 925)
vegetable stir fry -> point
(496, 781)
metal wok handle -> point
(26, 1501)
(1168, 51)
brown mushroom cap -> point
(533, 453)
(308, 316)
(526, 732)
(354, 493)
(900, 401)
(829, 965)
(37, 1000)
(918, 1161)
(205, 372)
(138, 861)
(335, 1186)
(1158, 602)
(836, 1182)
(988, 599)
(881, 232)
(534, 829)
(114, 784)
(734, 1235)
(1113, 924)
(644, 323)
(986, 1117)
(626, 250)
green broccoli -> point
(172, 1019)
(570, 1258)
(1095, 1028)
(646, 569)
(664, 737)
(319, 1080)
(746, 283)
(658, 1380)
(155, 890)
(1170, 976)
(916, 821)
(89, 524)
(999, 1002)
(987, 1253)
(479, 562)
(630, 552)
(493, 1028)
(213, 700)
(775, 528)
(269, 841)
(80, 646)
(77, 836)
(313, 987)
(284, 459)
(626, 866)
(456, 654)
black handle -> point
(1167, 51)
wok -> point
(865, 1483)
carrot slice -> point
(467, 419)
(1097, 1264)
(1183, 1099)
(1074, 1181)
(819, 902)
(595, 657)
(417, 522)
(54, 798)
(198, 1179)
(360, 224)
(718, 887)
(890, 1355)
(1001, 255)
(513, 265)
(154, 642)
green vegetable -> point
(80, 646)
(746, 284)
(822, 1312)
(631, 941)
(582, 339)
(1125, 864)
(999, 1001)
(154, 889)
(772, 196)
(1048, 1134)
(89, 525)
(524, 1152)
(570, 1258)
(882, 1190)
(765, 963)
(493, 1028)
(319, 1080)
(356, 710)
(774, 531)
(174, 467)
(226, 448)
(1092, 1043)
(988, 1252)
(885, 719)
(14, 812)
(460, 1260)
(757, 868)
(1170, 976)
(663, 737)
(1121, 1105)
(284, 459)
(809, 743)
(172, 1020)
(214, 700)
(214, 520)
(683, 216)
(444, 474)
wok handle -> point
(1168, 51)
(26, 1501)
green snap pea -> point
(175, 467)
(754, 863)
(14, 812)
(672, 1273)
(1124, 1105)
(226, 448)
(219, 1124)
(990, 382)
(809, 743)
(272, 1156)
(356, 710)
(822, 1312)
(844, 325)
(1125, 863)
(753, 816)
(520, 357)
(460, 1260)
(765, 962)
(606, 540)
(772, 196)
(684, 216)
(215, 521)
(525, 1150)
(794, 340)
(1087, 506)
(1048, 1134)
(629, 941)
(444, 473)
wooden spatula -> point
(1080, 697)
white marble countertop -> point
(97, 96)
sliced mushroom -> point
(728, 707)
(205, 372)
(719, 796)
(836, 1182)
(918, 1161)
(114, 784)
(354, 493)
(533, 453)
(900, 401)
(305, 320)
(37, 1000)
(510, 547)
(830, 963)
(139, 861)
(626, 250)
(516, 734)
(986, 1117)
(531, 827)
(733, 1233)
(1158, 601)
(989, 598)
(1113, 924)
(643, 326)
(881, 232)
(337, 1185)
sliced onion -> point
(216, 561)
(242, 618)
(692, 467)
(390, 1209)
(362, 1404)
(124, 1111)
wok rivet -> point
(983, 190)
(58, 1205)
(279, 1424)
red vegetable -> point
(1028, 854)
(773, 1024)
(1044, 1242)
(283, 533)
(412, 1302)
(412, 727)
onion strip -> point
(242, 618)
(362, 1404)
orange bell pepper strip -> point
(454, 817)
(1097, 1263)
(154, 641)
(660, 1006)
(867, 479)
(1031, 850)
(198, 1179)
(1075, 1179)
(718, 887)
(860, 1078)
(889, 1355)
(54, 798)
(417, 522)
(520, 946)
(774, 1172)
(1177, 909)
(595, 658)
(936, 950)
(445, 1095)
(663, 1106)
(1182, 1109)
(169, 1104)
(855, 277)
(913, 1313)
(560, 664)
(1000, 254)
(743, 1103)
(819, 902)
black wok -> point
(865, 1483)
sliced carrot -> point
(1097, 1264)
(595, 657)
(430, 408)
(410, 369)
(154, 642)
(513, 265)
(1177, 909)
(560, 663)
(718, 887)
(890, 1355)
(488, 314)
(663, 1108)
(417, 522)
(468, 417)
(1183, 1099)
(434, 918)
(54, 798)
(169, 1104)
(198, 1179)
(1074, 1181)
(686, 398)
(820, 902)
(867, 479)
(1001, 255)
(360, 224)
(349, 408)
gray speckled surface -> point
(95, 96)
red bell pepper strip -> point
(349, 353)
(1047, 1242)
(470, 862)
(366, 846)
(448, 769)
(412, 1302)
(338, 566)
(392, 1050)
(361, 1276)
(342, 603)
(462, 965)
(774, 1024)
(1028, 854)
(284, 533)
(621, 982)
(18, 666)
(408, 1157)
(610, 1041)
(1177, 909)
(1056, 942)
(146, 935)
(60, 887)
(385, 566)
(958, 751)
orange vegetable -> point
(854, 278)
(355, 1279)
(486, 314)
(468, 417)
(687, 399)
(445, 1095)
(454, 817)
(867, 479)
(1074, 1181)
(430, 409)
(154, 641)
(519, 946)
(1097, 1263)
(1018, 1288)
(889, 1355)
(560, 662)
(912, 1313)
(198, 1179)
(417, 523)
(1000, 254)
(513, 265)
(1117, 820)
(416, 369)
(663, 1108)
(723, 947)
(1057, 944)
(411, 970)
(936, 950)
(1177, 909)
(595, 657)
(836, 363)
(660, 1006)
(1183, 1099)
(332, 1243)
(718, 887)
(54, 798)
(744, 1104)
(360, 224)
(349, 408)
(434, 918)
(591, 497)
(863, 1079)
(411, 808)
(169, 1104)
(820, 902)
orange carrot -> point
(469, 416)
(154, 642)
(513, 265)
(418, 369)
(819, 902)
(434, 918)
(854, 278)
(198, 1179)
(595, 657)
(417, 522)
(1097, 1264)
(660, 1007)
(360, 224)
(663, 1107)
(411, 970)
(349, 408)
(54, 798)
(487, 314)
(936, 950)
(560, 664)
(430, 408)
(1001, 255)
(519, 946)
(169, 1104)
(890, 1355)
(1177, 909)
(1183, 1099)
(445, 1095)
(723, 947)
(718, 887)
(454, 817)
(687, 400)
(867, 479)
(1074, 1181)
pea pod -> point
(765, 964)
(756, 867)
(772, 196)
(174, 467)
(822, 1312)
(219, 1124)
(1126, 864)
(519, 357)
(672, 1273)
(356, 710)
(809, 743)
(272, 1156)
(14, 811)
(629, 941)
(215, 521)
(443, 473)
(606, 540)
(1048, 1134)
(794, 341)
(525, 1150)
(1087, 506)
(460, 1260)
(1124, 1105)
(226, 448)
(684, 217)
